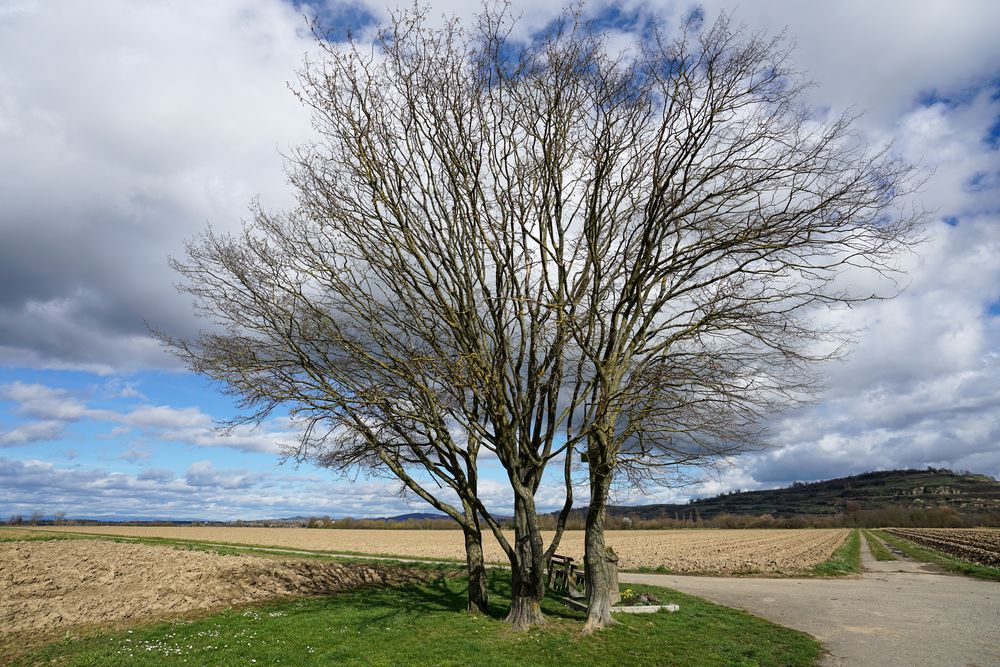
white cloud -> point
(54, 409)
(32, 432)
(116, 388)
(203, 473)
(164, 416)
(43, 402)
(203, 493)
(156, 475)
(268, 439)
(879, 56)
(136, 454)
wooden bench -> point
(564, 575)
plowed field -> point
(976, 545)
(45, 585)
(725, 551)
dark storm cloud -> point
(167, 119)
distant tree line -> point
(37, 519)
(898, 517)
(853, 517)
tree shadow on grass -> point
(441, 595)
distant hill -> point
(909, 489)
(399, 518)
(414, 516)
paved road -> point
(896, 613)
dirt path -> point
(903, 563)
(896, 613)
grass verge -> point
(943, 560)
(879, 552)
(846, 560)
(13, 535)
(424, 624)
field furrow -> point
(724, 551)
(976, 545)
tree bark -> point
(478, 594)
(599, 561)
(527, 568)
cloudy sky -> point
(126, 127)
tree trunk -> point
(478, 595)
(527, 569)
(599, 561)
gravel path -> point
(896, 613)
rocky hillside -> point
(910, 489)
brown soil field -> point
(47, 585)
(976, 545)
(701, 550)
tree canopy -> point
(529, 247)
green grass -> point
(16, 535)
(846, 560)
(950, 563)
(877, 548)
(424, 624)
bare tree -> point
(412, 309)
(362, 398)
(723, 217)
(520, 247)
